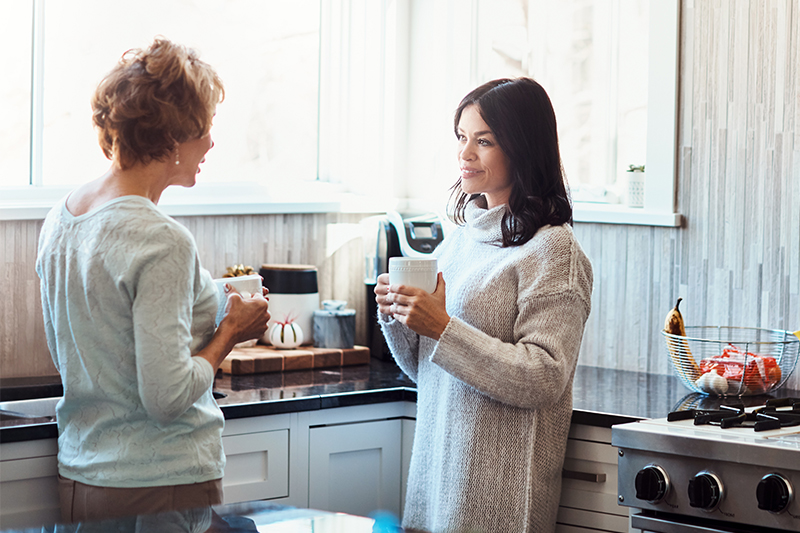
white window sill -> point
(621, 214)
(213, 199)
(314, 197)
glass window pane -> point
(592, 58)
(16, 26)
(266, 52)
(574, 67)
(632, 84)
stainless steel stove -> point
(689, 472)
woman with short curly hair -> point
(153, 100)
(129, 312)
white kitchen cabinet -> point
(589, 484)
(346, 459)
(257, 458)
(350, 459)
(355, 468)
(409, 425)
(358, 457)
(29, 483)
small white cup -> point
(422, 273)
(247, 286)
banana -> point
(679, 348)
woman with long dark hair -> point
(493, 349)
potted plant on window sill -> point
(635, 186)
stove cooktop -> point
(776, 419)
(775, 414)
(691, 463)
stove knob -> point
(774, 493)
(652, 483)
(705, 491)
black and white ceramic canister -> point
(293, 296)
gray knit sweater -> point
(495, 392)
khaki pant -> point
(81, 502)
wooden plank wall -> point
(736, 261)
(331, 242)
(23, 349)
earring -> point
(177, 157)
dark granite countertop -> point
(601, 397)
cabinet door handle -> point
(583, 476)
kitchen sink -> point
(39, 410)
(33, 411)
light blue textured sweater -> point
(126, 306)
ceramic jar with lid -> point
(334, 325)
(293, 296)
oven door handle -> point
(583, 476)
(664, 525)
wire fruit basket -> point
(728, 361)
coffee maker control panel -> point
(423, 237)
(419, 235)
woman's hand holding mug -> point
(423, 312)
(246, 306)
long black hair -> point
(523, 122)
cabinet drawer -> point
(257, 466)
(590, 467)
(35, 467)
(589, 476)
(592, 451)
(589, 484)
(29, 492)
(580, 518)
(591, 501)
(564, 528)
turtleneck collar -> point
(482, 224)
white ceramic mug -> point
(419, 272)
(247, 286)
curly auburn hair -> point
(523, 122)
(152, 100)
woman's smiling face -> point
(484, 166)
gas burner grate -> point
(773, 415)
(726, 416)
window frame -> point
(33, 202)
(662, 131)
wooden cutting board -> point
(258, 359)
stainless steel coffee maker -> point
(393, 235)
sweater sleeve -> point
(170, 380)
(403, 343)
(534, 371)
(49, 329)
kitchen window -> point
(323, 97)
(610, 68)
(15, 94)
(456, 46)
(308, 83)
(266, 52)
